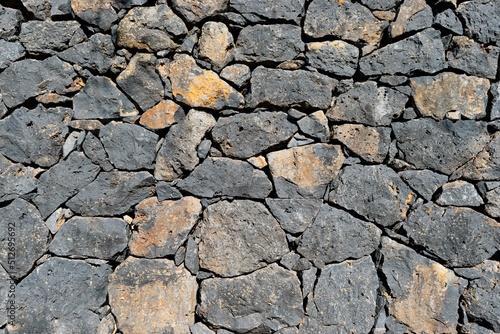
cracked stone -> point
(370, 143)
(334, 57)
(46, 37)
(459, 193)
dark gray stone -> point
(422, 52)
(316, 126)
(449, 20)
(289, 10)
(101, 99)
(335, 57)
(46, 37)
(200, 328)
(413, 15)
(204, 148)
(368, 104)
(473, 328)
(129, 146)
(63, 181)
(442, 146)
(269, 43)
(60, 8)
(471, 236)
(34, 136)
(375, 192)
(40, 9)
(459, 193)
(473, 58)
(10, 52)
(165, 191)
(94, 149)
(495, 101)
(246, 135)
(481, 20)
(10, 22)
(492, 206)
(268, 300)
(112, 193)
(191, 259)
(16, 179)
(237, 74)
(226, 177)
(380, 4)
(284, 88)
(100, 14)
(294, 215)
(424, 182)
(61, 296)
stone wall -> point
(244, 166)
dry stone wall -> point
(242, 166)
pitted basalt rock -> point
(480, 19)
(16, 179)
(472, 58)
(96, 53)
(370, 143)
(45, 37)
(335, 57)
(101, 13)
(413, 15)
(289, 10)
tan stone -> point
(216, 44)
(196, 10)
(163, 226)
(85, 124)
(407, 11)
(201, 88)
(387, 15)
(258, 162)
(449, 92)
(162, 115)
(52, 98)
(152, 296)
(370, 143)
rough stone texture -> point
(10, 52)
(237, 74)
(239, 237)
(333, 57)
(216, 44)
(178, 153)
(370, 143)
(16, 179)
(94, 150)
(314, 167)
(10, 21)
(268, 300)
(374, 192)
(472, 236)
(413, 15)
(246, 135)
(162, 115)
(152, 296)
(380, 5)
(315, 125)
(473, 58)
(492, 206)
(98, 13)
(426, 143)
(424, 182)
(495, 102)
(294, 215)
(112, 193)
(288, 10)
(449, 20)
(194, 11)
(485, 165)
(161, 227)
(101, 238)
(480, 19)
(368, 104)
(226, 177)
(459, 193)
(449, 92)
(45, 37)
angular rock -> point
(151, 29)
(57, 219)
(268, 300)
(492, 206)
(112, 193)
(374, 192)
(61, 296)
(59, 8)
(100, 13)
(239, 237)
(46, 37)
(495, 101)
(480, 19)
(380, 5)
(370, 143)
(335, 57)
(152, 296)
(63, 181)
(165, 191)
(93, 149)
(413, 15)
(269, 43)
(485, 165)
(459, 193)
(34, 136)
(194, 11)
(216, 44)
(422, 52)
(289, 10)
(449, 20)
(314, 167)
(197, 87)
(424, 182)
(10, 21)
(162, 227)
(237, 74)
(316, 126)
(368, 104)
(101, 238)
(226, 177)
(294, 215)
(16, 179)
(449, 92)
(473, 58)
(178, 153)
(472, 236)
(246, 135)
(285, 88)
(28, 78)
(101, 99)
(162, 115)
(335, 236)
(422, 294)
(10, 52)
(200, 328)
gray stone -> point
(16, 179)
(237, 74)
(247, 135)
(201, 328)
(34, 136)
(45, 37)
(289, 260)
(22, 222)
(471, 236)
(299, 140)
(10, 22)
(289, 10)
(316, 126)
(449, 20)
(63, 181)
(40, 9)
(459, 193)
(333, 57)
(101, 238)
(28, 78)
(239, 237)
(101, 99)
(269, 43)
(71, 142)
(424, 182)
(204, 148)
(422, 294)
(194, 11)
(368, 104)
(178, 153)
(495, 101)
(165, 191)
(284, 88)
(95, 54)
(7, 286)
(370, 143)
(473, 58)
(268, 300)
(93, 149)
(375, 192)
(381, 5)
(294, 215)
(492, 206)
(441, 146)
(191, 259)
(413, 15)
(60, 8)
(57, 219)
(112, 193)
(129, 146)
(481, 20)
(100, 13)
(473, 328)
(61, 296)
(422, 52)
(10, 52)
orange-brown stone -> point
(162, 115)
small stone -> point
(294, 215)
(191, 260)
(87, 125)
(95, 54)
(107, 325)
(46, 37)
(193, 11)
(316, 126)
(162, 227)
(473, 58)
(237, 74)
(449, 20)
(98, 13)
(413, 15)
(492, 206)
(94, 149)
(201, 88)
(112, 193)
(370, 143)
(10, 52)
(152, 296)
(424, 182)
(10, 22)
(268, 300)
(335, 57)
(70, 143)
(200, 328)
(380, 5)
(16, 179)
(315, 166)
(162, 115)
(299, 140)
(204, 148)
(495, 101)
(296, 114)
(480, 19)
(57, 219)
(60, 8)
(459, 193)
(374, 192)
(216, 44)
(164, 191)
(485, 165)
(289, 10)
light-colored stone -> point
(162, 115)
(370, 143)
(413, 15)
(195, 10)
(99, 13)
(216, 44)
(258, 161)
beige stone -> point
(370, 143)
(162, 115)
(196, 10)
(258, 161)
(216, 44)
(407, 11)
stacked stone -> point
(242, 166)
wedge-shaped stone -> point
(16, 179)
(98, 13)
(370, 143)
(294, 215)
(424, 182)
(162, 115)
(485, 165)
(97, 53)
(194, 11)
(481, 19)
(413, 15)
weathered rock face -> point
(294, 215)
(45, 37)
(471, 57)
(10, 52)
(289, 10)
(335, 57)
(194, 11)
(370, 143)
(216, 44)
(16, 179)
(413, 15)
(95, 54)
(459, 193)
(480, 20)
(162, 115)
(485, 165)
(424, 182)
(100, 14)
